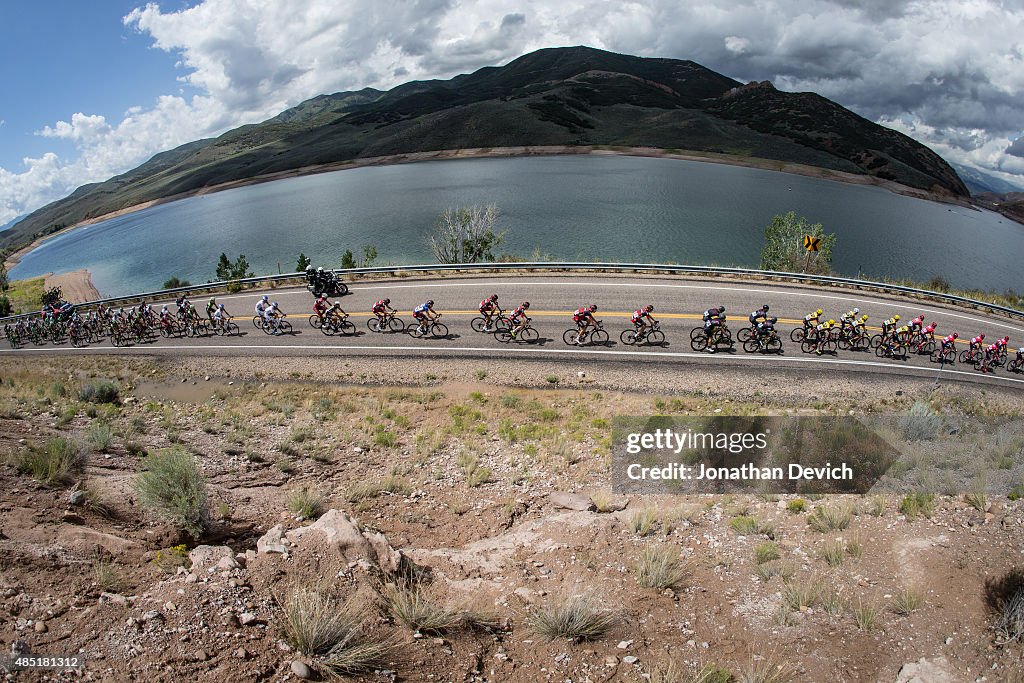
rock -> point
(613, 504)
(191, 578)
(301, 671)
(227, 564)
(611, 661)
(72, 518)
(247, 618)
(201, 656)
(40, 627)
(241, 653)
(581, 374)
(113, 599)
(630, 659)
(570, 501)
(86, 539)
(624, 644)
(170, 606)
(203, 556)
(270, 542)
(924, 671)
(76, 498)
(151, 615)
(354, 545)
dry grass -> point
(53, 463)
(642, 521)
(833, 552)
(660, 567)
(801, 595)
(765, 670)
(906, 602)
(827, 518)
(306, 503)
(766, 552)
(575, 618)
(865, 613)
(414, 607)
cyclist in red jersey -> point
(950, 341)
(382, 308)
(519, 319)
(643, 320)
(488, 308)
(584, 319)
(320, 306)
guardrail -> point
(568, 266)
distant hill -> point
(1010, 204)
(979, 182)
(559, 96)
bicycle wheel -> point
(964, 356)
(315, 321)
(285, 327)
(1015, 365)
(414, 330)
(743, 335)
(807, 346)
(875, 341)
(700, 343)
(830, 346)
(797, 335)
(655, 338)
(257, 321)
(599, 338)
(774, 345)
(373, 324)
(504, 336)
(529, 335)
(329, 328)
(900, 352)
(478, 324)
(750, 346)
(396, 324)
(569, 336)
(347, 328)
(696, 332)
(439, 330)
(231, 329)
(628, 337)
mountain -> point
(552, 97)
(1010, 204)
(11, 222)
(979, 182)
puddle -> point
(192, 391)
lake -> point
(594, 208)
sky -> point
(91, 89)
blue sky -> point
(92, 88)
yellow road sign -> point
(811, 243)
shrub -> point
(99, 436)
(830, 518)
(797, 505)
(920, 423)
(766, 552)
(919, 504)
(744, 525)
(53, 463)
(833, 552)
(907, 601)
(306, 503)
(418, 611)
(642, 521)
(765, 670)
(797, 596)
(100, 391)
(574, 618)
(172, 486)
(659, 567)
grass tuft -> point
(53, 463)
(766, 552)
(306, 503)
(830, 518)
(864, 614)
(100, 391)
(574, 618)
(916, 505)
(99, 436)
(660, 567)
(906, 602)
(173, 487)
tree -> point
(4, 285)
(467, 235)
(348, 259)
(369, 255)
(783, 246)
(226, 270)
(174, 283)
(303, 263)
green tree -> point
(348, 260)
(784, 250)
(4, 284)
(303, 263)
(369, 255)
(174, 282)
(226, 270)
(467, 235)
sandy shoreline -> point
(492, 152)
(77, 286)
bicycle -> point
(527, 334)
(226, 328)
(853, 340)
(1015, 365)
(651, 336)
(337, 324)
(280, 325)
(922, 344)
(798, 334)
(434, 328)
(721, 335)
(969, 356)
(829, 344)
(943, 355)
(892, 348)
(764, 344)
(389, 323)
(499, 320)
(594, 336)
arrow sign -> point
(811, 243)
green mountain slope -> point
(559, 96)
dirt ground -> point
(474, 486)
(77, 286)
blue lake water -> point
(573, 207)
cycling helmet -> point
(764, 307)
(856, 310)
(864, 317)
(164, 308)
(831, 322)
(430, 302)
(721, 309)
(387, 301)
(955, 335)
(818, 312)
(1006, 338)
(593, 307)
(213, 300)
(981, 336)
(309, 269)
(319, 270)
(774, 320)
(494, 297)
(649, 307)
(274, 304)
(220, 306)
(323, 295)
(525, 304)
(265, 298)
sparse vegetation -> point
(659, 566)
(916, 505)
(100, 392)
(796, 506)
(766, 552)
(865, 613)
(52, 463)
(173, 487)
(827, 518)
(99, 436)
(574, 618)
(306, 503)
(907, 601)
(642, 521)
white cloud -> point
(948, 72)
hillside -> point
(1010, 204)
(559, 96)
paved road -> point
(677, 302)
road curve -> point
(678, 303)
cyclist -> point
(425, 313)
(715, 330)
(381, 309)
(584, 319)
(640, 319)
(518, 318)
(759, 314)
(904, 333)
(859, 326)
(220, 316)
(917, 323)
(320, 306)
(273, 315)
(811, 320)
(991, 356)
(766, 328)
(713, 312)
(976, 345)
(847, 319)
(888, 326)
(166, 319)
(261, 307)
(488, 308)
(336, 312)
(211, 308)
(822, 331)
(948, 342)
(1002, 343)
(926, 334)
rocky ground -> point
(450, 519)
